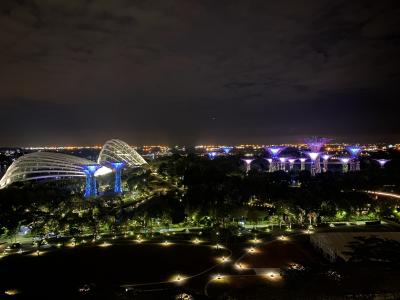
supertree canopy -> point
(316, 143)
(354, 150)
(275, 150)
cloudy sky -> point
(186, 71)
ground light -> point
(166, 243)
(178, 278)
(218, 277)
(241, 266)
(11, 292)
(196, 241)
(283, 238)
(273, 276)
(252, 250)
(223, 259)
(105, 244)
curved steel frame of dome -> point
(42, 165)
(118, 151)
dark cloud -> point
(196, 71)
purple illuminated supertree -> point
(345, 163)
(248, 162)
(354, 161)
(325, 159)
(382, 162)
(269, 160)
(282, 160)
(227, 150)
(274, 152)
(315, 144)
(315, 166)
(212, 155)
(291, 163)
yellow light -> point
(196, 241)
(252, 250)
(105, 244)
(166, 243)
(11, 292)
(283, 238)
(241, 266)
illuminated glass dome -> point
(47, 165)
(118, 151)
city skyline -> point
(188, 72)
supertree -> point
(315, 144)
(325, 159)
(303, 163)
(345, 164)
(382, 162)
(291, 163)
(227, 150)
(282, 161)
(248, 162)
(274, 152)
(354, 161)
(91, 185)
(315, 166)
(212, 155)
(117, 167)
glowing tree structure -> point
(345, 164)
(291, 163)
(117, 167)
(269, 160)
(382, 162)
(248, 162)
(211, 155)
(91, 186)
(315, 144)
(227, 150)
(354, 161)
(315, 166)
(325, 159)
(274, 151)
(282, 161)
(302, 164)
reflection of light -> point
(255, 241)
(283, 238)
(105, 244)
(139, 240)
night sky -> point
(191, 72)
